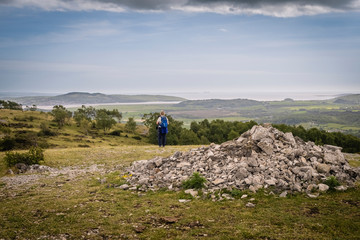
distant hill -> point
(352, 99)
(92, 98)
(220, 103)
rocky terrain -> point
(260, 158)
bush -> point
(196, 181)
(7, 143)
(116, 133)
(332, 182)
(34, 156)
(45, 130)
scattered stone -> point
(323, 187)
(227, 196)
(244, 196)
(250, 205)
(124, 187)
(313, 195)
(184, 200)
(283, 194)
(192, 192)
(341, 188)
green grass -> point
(82, 207)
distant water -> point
(260, 96)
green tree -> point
(61, 115)
(188, 137)
(104, 119)
(232, 135)
(87, 113)
(85, 126)
(130, 126)
(174, 127)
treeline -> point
(219, 131)
(204, 132)
(10, 105)
(349, 143)
(91, 121)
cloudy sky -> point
(167, 46)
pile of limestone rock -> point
(260, 158)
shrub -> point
(7, 143)
(196, 181)
(45, 130)
(116, 133)
(137, 138)
(332, 182)
(33, 156)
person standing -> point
(162, 124)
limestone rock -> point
(250, 205)
(323, 168)
(323, 187)
(192, 192)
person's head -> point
(162, 113)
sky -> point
(174, 46)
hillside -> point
(92, 98)
(338, 114)
(353, 99)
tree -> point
(85, 126)
(175, 128)
(61, 115)
(130, 126)
(116, 114)
(232, 135)
(104, 119)
(87, 113)
(188, 137)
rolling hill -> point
(92, 98)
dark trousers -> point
(162, 139)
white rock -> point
(283, 194)
(124, 187)
(192, 192)
(341, 188)
(250, 205)
(218, 181)
(323, 187)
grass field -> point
(88, 206)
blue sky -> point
(158, 46)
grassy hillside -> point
(26, 126)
